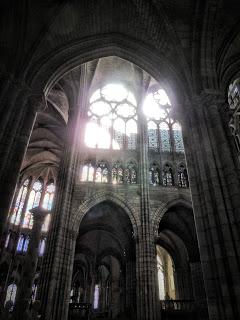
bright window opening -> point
(113, 119)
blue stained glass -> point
(132, 141)
(26, 242)
(152, 139)
(165, 140)
(178, 141)
(20, 243)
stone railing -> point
(177, 305)
(79, 310)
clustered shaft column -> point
(215, 194)
(56, 276)
(30, 266)
(146, 254)
(16, 129)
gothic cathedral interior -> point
(120, 159)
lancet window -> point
(182, 177)
(131, 173)
(112, 119)
(20, 201)
(48, 203)
(42, 246)
(23, 243)
(117, 173)
(154, 175)
(11, 295)
(167, 175)
(33, 201)
(88, 172)
(164, 135)
(102, 173)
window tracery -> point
(23, 243)
(117, 173)
(88, 172)
(47, 204)
(22, 194)
(182, 177)
(131, 173)
(101, 173)
(167, 176)
(178, 139)
(163, 133)
(113, 119)
(154, 175)
(33, 201)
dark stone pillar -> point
(56, 275)
(198, 289)
(145, 245)
(216, 203)
(30, 266)
(16, 127)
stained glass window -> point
(11, 294)
(47, 204)
(182, 177)
(41, 248)
(87, 172)
(154, 176)
(33, 201)
(113, 117)
(7, 240)
(161, 286)
(177, 136)
(161, 127)
(165, 137)
(17, 212)
(131, 173)
(96, 296)
(152, 135)
(117, 173)
(157, 110)
(22, 244)
(101, 173)
(167, 176)
(234, 94)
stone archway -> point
(105, 254)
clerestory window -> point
(164, 134)
(112, 119)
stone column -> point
(30, 265)
(183, 284)
(145, 246)
(198, 289)
(216, 204)
(16, 124)
(56, 276)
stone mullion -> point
(57, 269)
(210, 213)
(15, 141)
(147, 302)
